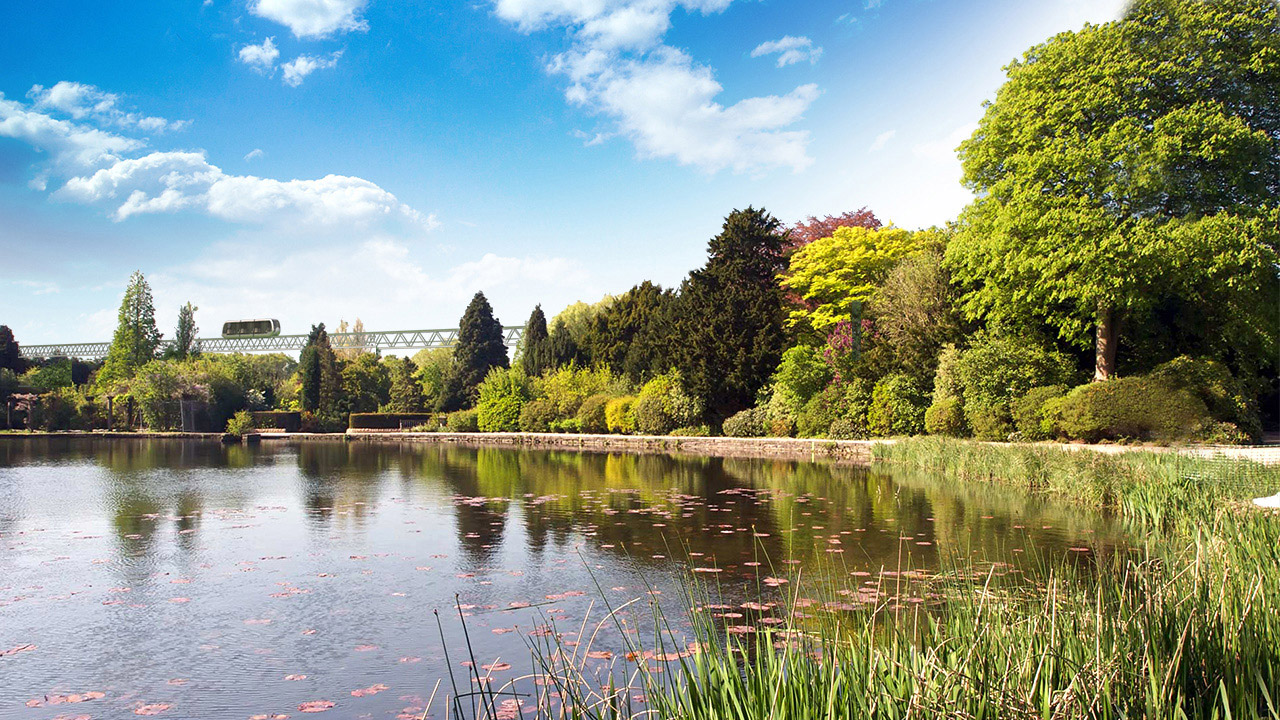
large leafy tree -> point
(729, 320)
(136, 338)
(815, 228)
(480, 348)
(1129, 162)
(10, 352)
(535, 349)
(831, 276)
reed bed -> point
(1185, 625)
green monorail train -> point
(251, 329)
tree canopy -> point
(480, 348)
(1127, 162)
(535, 344)
(184, 337)
(10, 352)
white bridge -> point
(366, 340)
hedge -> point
(390, 421)
(277, 420)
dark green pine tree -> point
(10, 353)
(480, 348)
(630, 334)
(309, 368)
(729, 322)
(535, 344)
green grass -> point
(1187, 625)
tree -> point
(915, 313)
(318, 373)
(480, 348)
(406, 392)
(366, 382)
(814, 228)
(535, 344)
(136, 338)
(184, 337)
(629, 335)
(1127, 161)
(729, 320)
(830, 277)
(10, 353)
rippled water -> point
(190, 579)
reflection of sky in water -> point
(203, 576)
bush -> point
(897, 407)
(692, 431)
(780, 412)
(241, 423)
(846, 429)
(319, 422)
(619, 415)
(463, 421)
(1210, 381)
(997, 369)
(748, 423)
(945, 417)
(592, 414)
(663, 405)
(1128, 408)
(570, 425)
(803, 372)
(502, 395)
(1028, 412)
(568, 387)
(537, 416)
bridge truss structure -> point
(367, 340)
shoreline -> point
(762, 447)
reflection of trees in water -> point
(342, 480)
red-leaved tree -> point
(815, 228)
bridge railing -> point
(365, 340)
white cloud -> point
(790, 50)
(176, 180)
(82, 101)
(313, 18)
(253, 154)
(657, 96)
(262, 57)
(300, 67)
(881, 140)
(68, 143)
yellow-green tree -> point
(828, 276)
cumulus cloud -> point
(81, 101)
(300, 67)
(178, 180)
(261, 57)
(790, 50)
(659, 97)
(313, 18)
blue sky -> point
(313, 160)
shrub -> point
(1210, 381)
(1028, 412)
(995, 370)
(322, 422)
(502, 395)
(592, 414)
(537, 416)
(570, 425)
(377, 421)
(945, 417)
(846, 429)
(500, 414)
(568, 387)
(1128, 408)
(803, 372)
(619, 415)
(897, 407)
(663, 405)
(692, 431)
(241, 423)
(780, 412)
(463, 421)
(748, 423)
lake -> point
(191, 579)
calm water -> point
(195, 580)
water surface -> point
(192, 579)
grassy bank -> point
(1186, 625)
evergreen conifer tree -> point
(136, 338)
(480, 348)
(406, 391)
(10, 352)
(184, 337)
(730, 316)
(534, 350)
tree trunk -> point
(1105, 345)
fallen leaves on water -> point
(269, 717)
(315, 706)
(497, 667)
(774, 582)
(366, 648)
(371, 690)
(71, 698)
(151, 709)
(295, 677)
